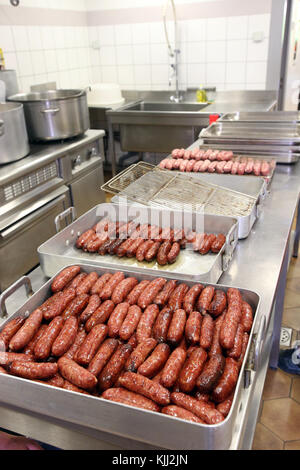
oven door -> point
(19, 241)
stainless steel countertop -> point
(44, 153)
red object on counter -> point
(213, 118)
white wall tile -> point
(141, 33)
(236, 50)
(141, 54)
(160, 74)
(106, 35)
(123, 34)
(196, 52)
(7, 42)
(51, 61)
(216, 73)
(257, 50)
(11, 61)
(196, 74)
(21, 38)
(237, 27)
(38, 62)
(24, 63)
(196, 30)
(216, 29)
(256, 72)
(107, 55)
(35, 38)
(235, 72)
(259, 23)
(109, 74)
(216, 51)
(125, 75)
(124, 55)
(142, 75)
(159, 54)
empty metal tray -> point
(262, 116)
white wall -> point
(292, 79)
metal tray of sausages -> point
(113, 420)
(262, 116)
(60, 250)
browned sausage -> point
(172, 368)
(132, 250)
(207, 244)
(212, 371)
(191, 370)
(122, 249)
(113, 368)
(177, 327)
(43, 347)
(73, 388)
(116, 319)
(101, 315)
(177, 296)
(133, 296)
(83, 238)
(218, 244)
(173, 253)
(227, 382)
(205, 299)
(247, 317)
(167, 234)
(232, 319)
(76, 306)
(191, 297)
(140, 353)
(162, 324)
(181, 413)
(91, 344)
(33, 370)
(93, 303)
(144, 328)
(27, 331)
(100, 283)
(207, 331)
(196, 239)
(140, 384)
(130, 323)
(66, 337)
(162, 255)
(77, 280)
(60, 303)
(143, 249)
(77, 375)
(80, 337)
(218, 303)
(193, 328)
(153, 251)
(7, 357)
(64, 277)
(155, 362)
(151, 291)
(87, 284)
(236, 350)
(31, 345)
(96, 243)
(215, 347)
(244, 349)
(163, 296)
(225, 406)
(133, 341)
(120, 395)
(102, 356)
(201, 409)
(111, 285)
(123, 289)
(9, 331)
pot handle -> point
(50, 111)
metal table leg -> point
(111, 148)
(297, 233)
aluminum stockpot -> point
(14, 143)
(54, 114)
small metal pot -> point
(13, 134)
(55, 114)
(9, 77)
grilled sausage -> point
(212, 371)
(162, 324)
(201, 409)
(130, 323)
(91, 344)
(33, 370)
(66, 337)
(191, 370)
(163, 296)
(100, 283)
(191, 297)
(148, 295)
(218, 244)
(172, 368)
(109, 375)
(8, 357)
(193, 328)
(139, 384)
(152, 251)
(177, 296)
(80, 337)
(111, 284)
(43, 346)
(143, 249)
(177, 326)
(181, 413)
(123, 289)
(232, 318)
(76, 374)
(164, 250)
(101, 315)
(116, 319)
(27, 331)
(227, 382)
(9, 331)
(155, 362)
(205, 299)
(133, 295)
(87, 284)
(140, 353)
(102, 356)
(144, 328)
(218, 304)
(59, 304)
(173, 253)
(76, 306)
(93, 303)
(207, 331)
(120, 395)
(207, 244)
(247, 317)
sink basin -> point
(148, 106)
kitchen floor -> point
(278, 425)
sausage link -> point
(66, 337)
(207, 331)
(191, 370)
(162, 255)
(162, 324)
(172, 368)
(33, 370)
(7, 357)
(132, 250)
(101, 315)
(93, 303)
(77, 375)
(96, 243)
(111, 285)
(244, 348)
(91, 344)
(120, 395)
(201, 409)
(102, 356)
(153, 251)
(116, 319)
(133, 341)
(193, 328)
(140, 384)
(130, 323)
(163, 296)
(148, 295)
(27, 331)
(236, 350)
(205, 299)
(106, 246)
(60, 303)
(122, 249)
(173, 253)
(218, 244)
(77, 280)
(181, 413)
(155, 362)
(83, 238)
(167, 234)
(231, 320)
(144, 328)
(9, 331)
(64, 277)
(218, 303)
(197, 239)
(142, 249)
(31, 345)
(177, 327)
(212, 371)
(87, 284)
(133, 296)
(227, 382)
(177, 296)
(247, 317)
(225, 406)
(76, 306)
(80, 337)
(100, 283)
(140, 353)
(123, 289)
(73, 388)
(43, 346)
(114, 367)
(215, 347)
(191, 297)
(207, 244)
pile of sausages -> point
(145, 242)
(214, 161)
(154, 344)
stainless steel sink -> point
(146, 106)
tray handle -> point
(259, 343)
(231, 242)
(23, 281)
(70, 211)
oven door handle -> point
(70, 211)
(23, 281)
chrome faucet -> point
(177, 97)
(173, 52)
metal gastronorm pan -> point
(96, 414)
(60, 250)
(262, 116)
